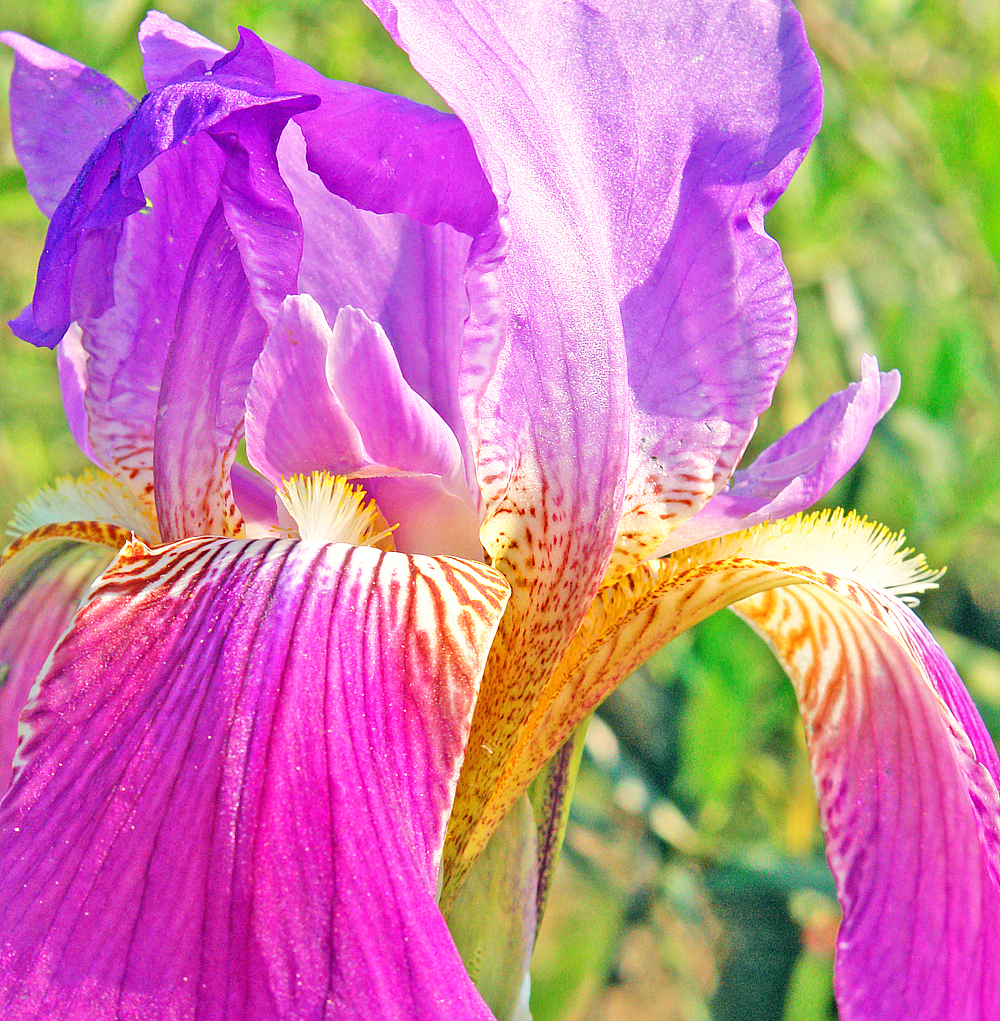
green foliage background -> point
(693, 885)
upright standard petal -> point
(60, 111)
(792, 474)
(245, 752)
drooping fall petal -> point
(40, 589)
(901, 741)
(906, 778)
(243, 753)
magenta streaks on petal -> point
(60, 112)
(255, 777)
(906, 778)
(792, 474)
(40, 589)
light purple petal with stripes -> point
(792, 474)
(235, 788)
(650, 315)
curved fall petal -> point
(906, 778)
(792, 474)
(60, 111)
(40, 589)
(228, 757)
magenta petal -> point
(799, 469)
(907, 782)
(239, 769)
(60, 112)
(40, 589)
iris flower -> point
(495, 370)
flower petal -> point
(906, 778)
(75, 277)
(60, 111)
(310, 407)
(40, 589)
(230, 758)
(170, 48)
(642, 145)
(792, 474)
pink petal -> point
(235, 788)
(907, 782)
(40, 589)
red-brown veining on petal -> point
(97, 532)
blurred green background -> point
(693, 884)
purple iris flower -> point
(495, 371)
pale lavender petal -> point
(169, 49)
(40, 589)
(294, 422)
(200, 409)
(406, 276)
(641, 145)
(907, 781)
(235, 789)
(60, 111)
(799, 469)
(397, 426)
(335, 400)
